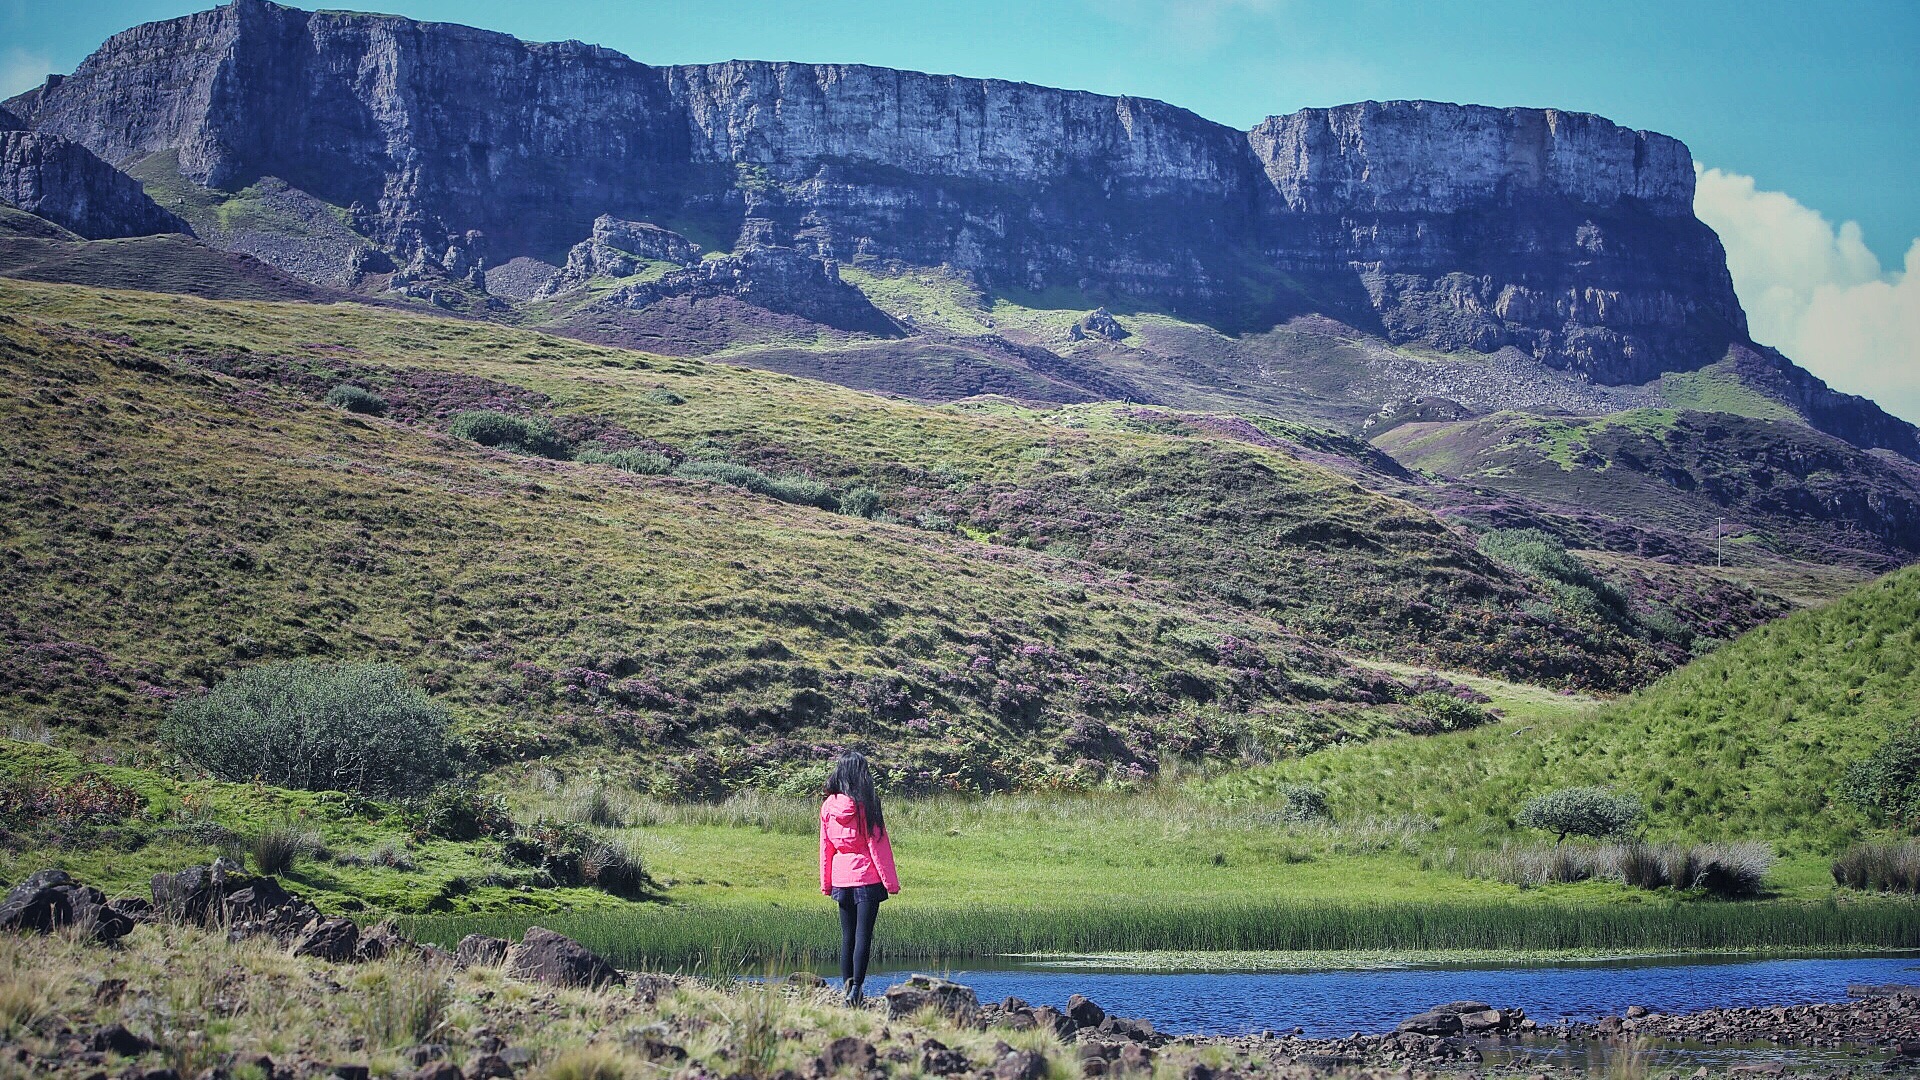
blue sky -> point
(1819, 101)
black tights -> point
(858, 906)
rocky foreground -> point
(225, 976)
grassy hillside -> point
(1748, 742)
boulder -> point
(116, 1039)
(1483, 1021)
(806, 980)
(384, 939)
(1020, 1065)
(1084, 1013)
(257, 899)
(558, 960)
(849, 1053)
(438, 1070)
(1432, 1022)
(1098, 323)
(937, 1059)
(924, 991)
(479, 950)
(133, 908)
(1052, 1019)
(51, 900)
(335, 939)
(488, 1067)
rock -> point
(1098, 323)
(258, 899)
(936, 1059)
(517, 1057)
(1635, 1012)
(806, 980)
(1909, 1048)
(345, 1071)
(132, 908)
(769, 276)
(335, 939)
(926, 991)
(1763, 1068)
(1458, 1007)
(383, 939)
(846, 1053)
(1134, 1057)
(479, 950)
(1084, 1013)
(116, 1039)
(488, 1067)
(555, 959)
(65, 183)
(434, 954)
(1020, 1065)
(1483, 1021)
(109, 991)
(438, 1070)
(1609, 1025)
(1432, 1023)
(648, 987)
(51, 900)
(1200, 1070)
(424, 1053)
(1053, 1019)
(618, 249)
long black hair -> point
(853, 778)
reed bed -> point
(728, 937)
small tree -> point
(322, 727)
(1887, 783)
(1581, 811)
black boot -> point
(855, 998)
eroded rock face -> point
(65, 183)
(1559, 233)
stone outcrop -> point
(51, 900)
(65, 183)
(544, 956)
(619, 249)
(1559, 233)
(775, 278)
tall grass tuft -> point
(402, 1002)
(1893, 866)
(277, 847)
(1729, 870)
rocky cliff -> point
(66, 184)
(1561, 234)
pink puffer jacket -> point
(849, 854)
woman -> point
(856, 864)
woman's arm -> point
(882, 851)
(826, 860)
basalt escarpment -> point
(63, 182)
(1453, 226)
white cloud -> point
(1817, 293)
(21, 70)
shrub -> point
(275, 848)
(458, 812)
(87, 799)
(790, 488)
(1887, 783)
(343, 727)
(1302, 802)
(520, 434)
(1581, 811)
(1435, 711)
(645, 462)
(357, 399)
(860, 501)
(665, 397)
(1880, 867)
(1542, 556)
(571, 855)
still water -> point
(1337, 1003)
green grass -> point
(1745, 743)
(729, 939)
(1718, 389)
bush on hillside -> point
(1435, 711)
(572, 855)
(519, 434)
(789, 488)
(860, 501)
(1887, 783)
(1880, 867)
(1302, 803)
(645, 462)
(1581, 811)
(1542, 556)
(323, 727)
(458, 812)
(357, 399)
